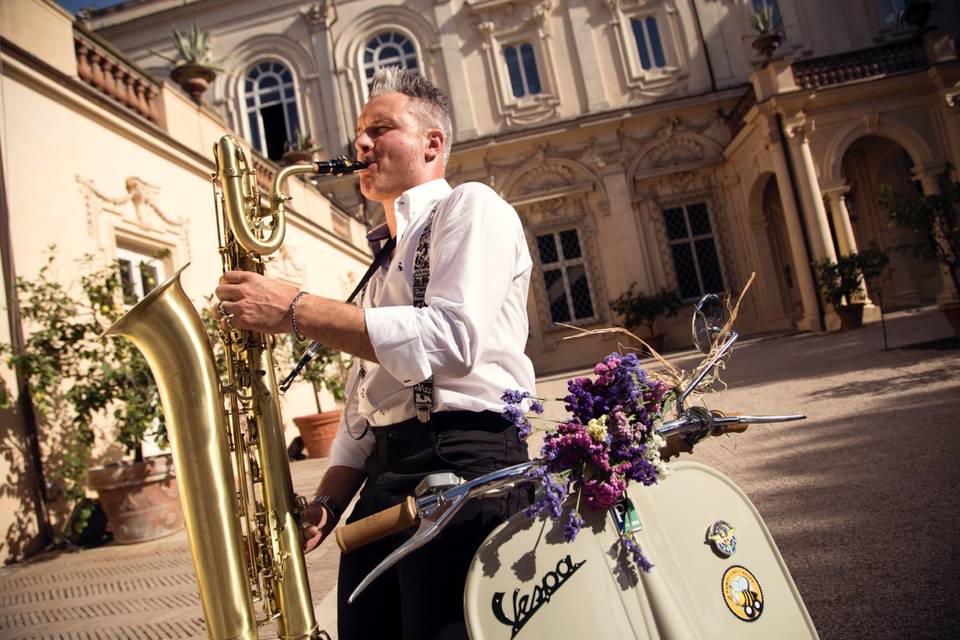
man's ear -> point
(436, 142)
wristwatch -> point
(330, 505)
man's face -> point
(391, 138)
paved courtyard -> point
(861, 499)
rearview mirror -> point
(709, 316)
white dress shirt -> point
(471, 334)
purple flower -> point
(514, 396)
(638, 558)
(572, 527)
(625, 403)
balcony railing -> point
(104, 69)
(860, 65)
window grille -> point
(271, 107)
(388, 49)
(565, 276)
(522, 69)
(649, 46)
(694, 250)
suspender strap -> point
(423, 391)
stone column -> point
(818, 227)
(335, 135)
(810, 319)
(846, 241)
(459, 81)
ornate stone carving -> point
(137, 210)
(284, 267)
(320, 15)
(545, 178)
(509, 16)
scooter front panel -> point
(527, 583)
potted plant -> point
(934, 222)
(842, 282)
(299, 150)
(637, 309)
(326, 371)
(916, 13)
(75, 381)
(193, 68)
(766, 31)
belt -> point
(413, 429)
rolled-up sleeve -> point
(395, 336)
(473, 262)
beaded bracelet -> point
(293, 315)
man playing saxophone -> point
(438, 336)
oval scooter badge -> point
(722, 537)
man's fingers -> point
(237, 277)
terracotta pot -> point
(952, 313)
(851, 316)
(766, 43)
(318, 431)
(194, 79)
(140, 499)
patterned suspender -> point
(423, 391)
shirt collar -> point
(414, 203)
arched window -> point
(388, 49)
(271, 106)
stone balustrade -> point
(858, 65)
(266, 170)
(104, 69)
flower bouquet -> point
(609, 440)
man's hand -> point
(315, 527)
(674, 447)
(253, 303)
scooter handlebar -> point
(378, 525)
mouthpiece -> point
(338, 166)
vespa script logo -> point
(524, 606)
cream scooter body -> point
(525, 582)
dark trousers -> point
(421, 597)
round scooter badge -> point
(742, 593)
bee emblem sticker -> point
(721, 536)
(742, 593)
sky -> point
(75, 5)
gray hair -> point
(433, 107)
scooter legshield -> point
(525, 582)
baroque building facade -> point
(640, 140)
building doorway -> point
(779, 245)
(868, 163)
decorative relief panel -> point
(552, 193)
(133, 217)
(283, 267)
(647, 75)
(508, 23)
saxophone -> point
(240, 510)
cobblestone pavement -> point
(861, 499)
